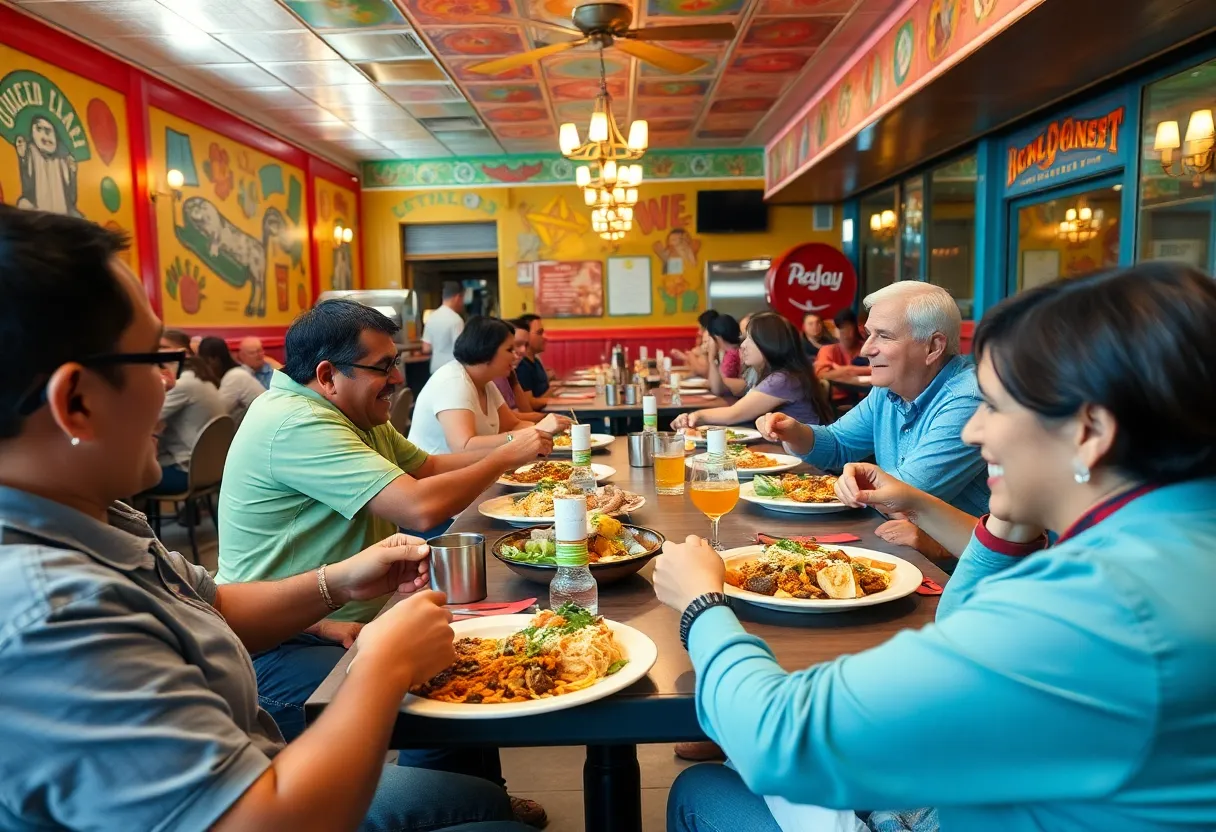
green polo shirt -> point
(296, 486)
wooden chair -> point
(402, 410)
(206, 471)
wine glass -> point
(714, 488)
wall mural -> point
(338, 262)
(67, 148)
(233, 241)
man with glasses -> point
(317, 473)
(190, 404)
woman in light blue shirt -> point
(1061, 689)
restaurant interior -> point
(674, 215)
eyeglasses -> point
(168, 360)
(382, 369)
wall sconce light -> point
(1198, 146)
(883, 224)
(348, 234)
(338, 234)
(175, 179)
(342, 234)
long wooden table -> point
(614, 415)
(659, 708)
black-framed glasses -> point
(382, 369)
(167, 360)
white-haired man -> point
(913, 423)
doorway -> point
(465, 252)
(1066, 232)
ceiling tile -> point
(172, 50)
(219, 16)
(304, 114)
(328, 14)
(333, 132)
(261, 47)
(440, 110)
(417, 150)
(377, 46)
(314, 73)
(384, 110)
(345, 94)
(391, 130)
(240, 75)
(423, 93)
(112, 18)
(404, 72)
(276, 96)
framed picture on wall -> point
(1039, 266)
(629, 286)
(570, 289)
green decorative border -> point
(554, 169)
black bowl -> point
(605, 573)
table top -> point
(660, 707)
(580, 404)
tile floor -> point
(553, 776)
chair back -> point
(209, 453)
(403, 407)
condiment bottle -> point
(573, 583)
(581, 475)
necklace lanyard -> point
(1105, 509)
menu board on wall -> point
(65, 147)
(629, 286)
(570, 289)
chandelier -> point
(1199, 150)
(610, 179)
(1080, 224)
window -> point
(912, 228)
(951, 237)
(1178, 171)
(878, 228)
(1068, 236)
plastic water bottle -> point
(674, 379)
(650, 415)
(573, 583)
(581, 475)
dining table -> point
(660, 708)
(587, 404)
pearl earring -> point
(1080, 472)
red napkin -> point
(929, 587)
(488, 608)
(766, 539)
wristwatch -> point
(510, 437)
(699, 605)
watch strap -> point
(699, 605)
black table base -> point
(612, 789)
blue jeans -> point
(714, 798)
(173, 480)
(421, 801)
(288, 675)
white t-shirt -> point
(238, 389)
(450, 388)
(441, 331)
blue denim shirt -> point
(920, 441)
(263, 375)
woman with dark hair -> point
(722, 351)
(697, 358)
(783, 382)
(460, 408)
(815, 335)
(238, 387)
(1071, 686)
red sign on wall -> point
(812, 277)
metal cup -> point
(458, 566)
(631, 394)
(612, 394)
(641, 450)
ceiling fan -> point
(607, 25)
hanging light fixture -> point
(1198, 145)
(1080, 224)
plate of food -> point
(741, 435)
(793, 493)
(529, 475)
(617, 550)
(521, 665)
(536, 507)
(748, 463)
(578, 382)
(803, 576)
(561, 442)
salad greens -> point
(576, 619)
(534, 551)
(766, 486)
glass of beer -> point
(714, 488)
(669, 462)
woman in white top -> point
(238, 387)
(460, 408)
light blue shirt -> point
(919, 442)
(264, 375)
(1071, 690)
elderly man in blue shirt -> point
(912, 423)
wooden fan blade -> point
(515, 61)
(660, 56)
(704, 31)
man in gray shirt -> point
(188, 407)
(444, 326)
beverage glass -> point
(669, 462)
(714, 489)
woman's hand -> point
(777, 427)
(865, 484)
(410, 642)
(901, 533)
(711, 347)
(552, 424)
(400, 563)
(686, 420)
(686, 571)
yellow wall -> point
(338, 263)
(233, 244)
(82, 165)
(552, 223)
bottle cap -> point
(580, 437)
(570, 514)
(649, 405)
(715, 441)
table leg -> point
(612, 789)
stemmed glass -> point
(714, 488)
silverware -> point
(535, 608)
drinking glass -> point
(669, 462)
(714, 488)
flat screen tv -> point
(731, 212)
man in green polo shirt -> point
(316, 474)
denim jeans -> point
(416, 800)
(173, 480)
(288, 675)
(713, 798)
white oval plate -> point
(904, 581)
(602, 472)
(637, 647)
(747, 491)
(499, 508)
(578, 382)
(598, 440)
(785, 462)
(746, 435)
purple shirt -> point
(798, 404)
(508, 395)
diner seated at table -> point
(815, 335)
(188, 407)
(696, 360)
(530, 371)
(238, 388)
(460, 408)
(129, 702)
(252, 356)
(722, 342)
(1063, 688)
(912, 422)
(316, 473)
(782, 380)
(512, 391)
(843, 361)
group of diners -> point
(1065, 685)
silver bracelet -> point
(329, 602)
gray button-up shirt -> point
(126, 701)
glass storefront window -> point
(1177, 196)
(912, 228)
(1068, 236)
(879, 225)
(952, 231)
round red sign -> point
(812, 277)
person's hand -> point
(528, 445)
(686, 571)
(711, 347)
(553, 423)
(865, 484)
(340, 632)
(400, 563)
(410, 642)
(795, 436)
(901, 533)
(680, 356)
(686, 420)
